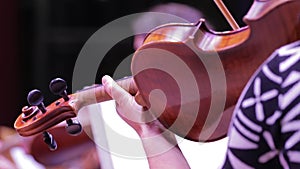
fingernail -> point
(104, 79)
(107, 85)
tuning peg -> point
(58, 86)
(73, 127)
(49, 140)
(35, 98)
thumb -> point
(117, 93)
(127, 108)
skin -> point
(159, 144)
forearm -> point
(162, 150)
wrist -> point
(156, 130)
(150, 130)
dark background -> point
(41, 39)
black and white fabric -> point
(265, 128)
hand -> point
(130, 110)
(159, 143)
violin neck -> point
(97, 94)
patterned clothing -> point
(265, 129)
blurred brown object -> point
(5, 132)
(8, 138)
(72, 152)
(5, 159)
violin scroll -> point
(37, 118)
(33, 120)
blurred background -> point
(41, 39)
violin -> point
(194, 46)
(189, 76)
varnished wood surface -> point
(271, 24)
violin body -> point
(215, 88)
(189, 76)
